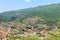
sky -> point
(7, 5)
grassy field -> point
(22, 38)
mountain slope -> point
(47, 12)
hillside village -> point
(37, 23)
(29, 27)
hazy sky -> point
(6, 5)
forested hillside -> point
(47, 12)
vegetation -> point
(47, 12)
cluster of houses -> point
(7, 31)
(4, 31)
